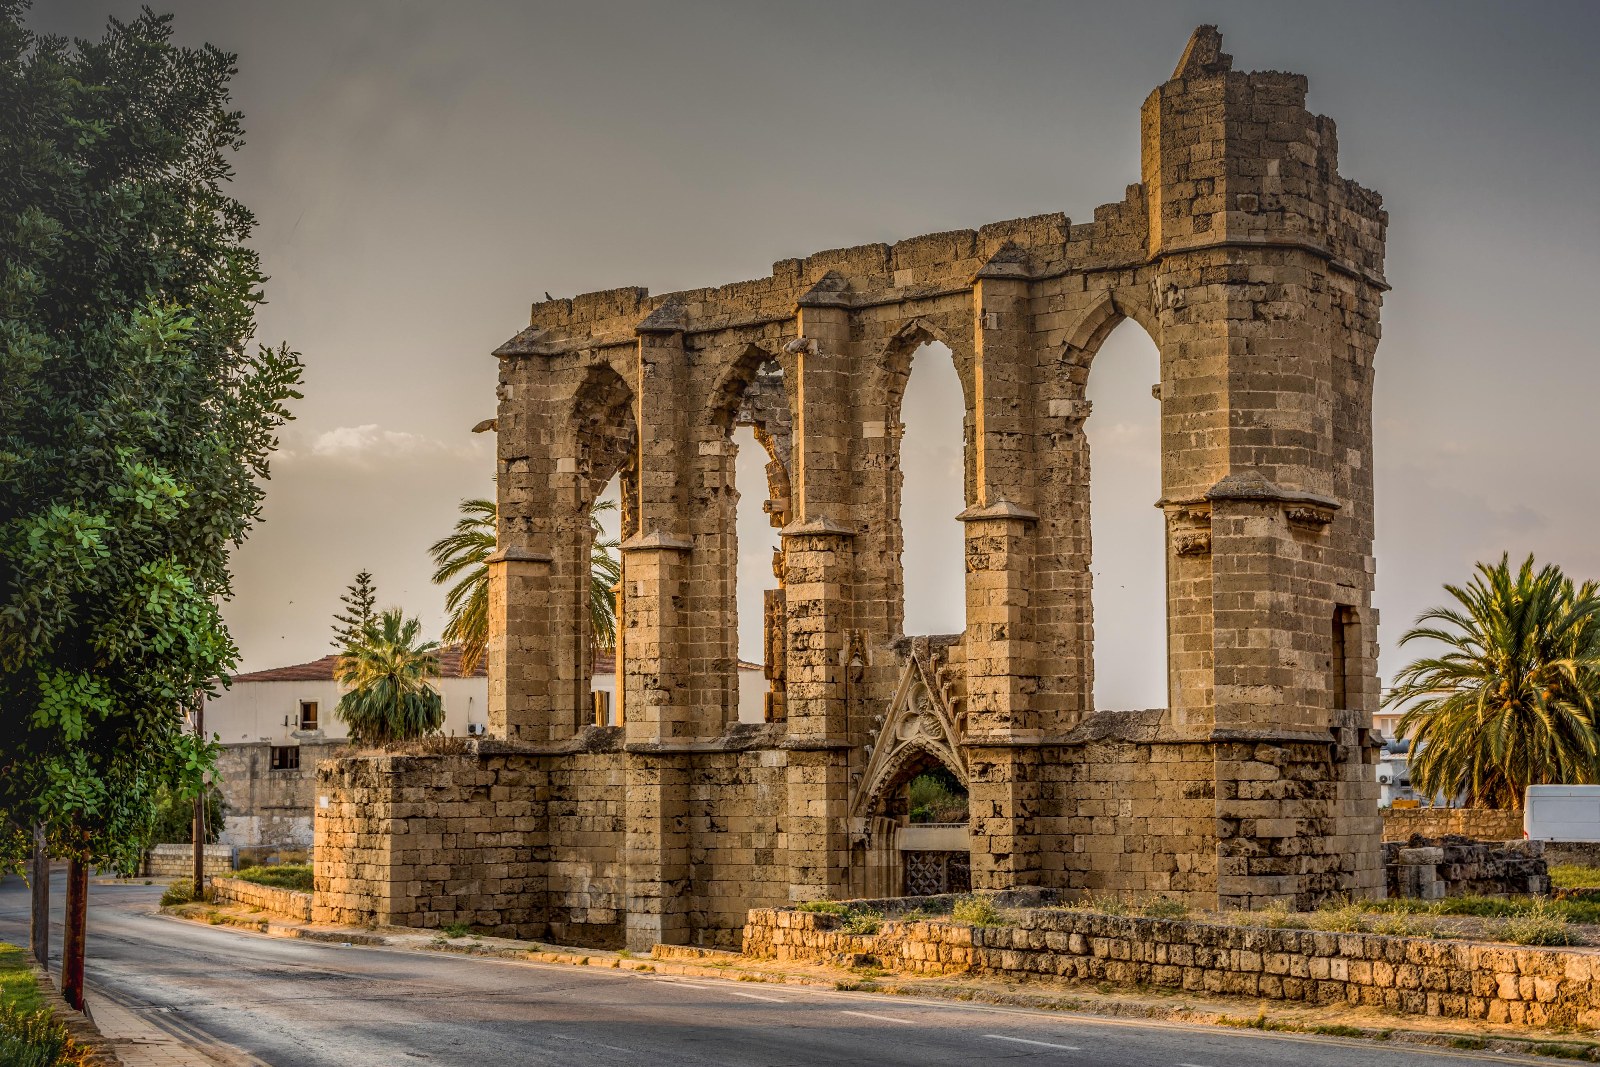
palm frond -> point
(1513, 698)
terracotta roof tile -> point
(321, 670)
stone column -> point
(520, 652)
(519, 641)
(1001, 657)
(817, 571)
(657, 691)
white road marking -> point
(1041, 1044)
(880, 1018)
(1188, 1065)
(755, 996)
(731, 992)
(587, 1041)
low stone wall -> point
(1480, 824)
(1410, 975)
(289, 903)
(177, 861)
(1434, 868)
(1581, 853)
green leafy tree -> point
(360, 599)
(1512, 698)
(462, 557)
(136, 420)
(388, 674)
(172, 817)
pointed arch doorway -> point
(910, 817)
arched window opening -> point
(1127, 531)
(605, 574)
(757, 598)
(932, 493)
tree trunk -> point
(39, 875)
(76, 928)
(200, 809)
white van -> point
(1562, 813)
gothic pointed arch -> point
(919, 723)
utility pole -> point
(200, 805)
(76, 929)
(39, 875)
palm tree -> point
(463, 557)
(605, 571)
(387, 671)
(1513, 699)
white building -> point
(275, 726)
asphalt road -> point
(303, 1004)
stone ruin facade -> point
(1258, 272)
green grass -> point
(29, 1035)
(1574, 876)
(17, 987)
(283, 876)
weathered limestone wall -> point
(432, 839)
(530, 844)
(1414, 976)
(289, 903)
(1480, 824)
(264, 807)
(177, 861)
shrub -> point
(179, 892)
(1346, 918)
(1105, 905)
(864, 921)
(1165, 908)
(823, 907)
(32, 1039)
(1540, 925)
(457, 929)
(979, 911)
(283, 876)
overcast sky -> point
(423, 170)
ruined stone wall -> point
(1257, 271)
(1409, 975)
(1434, 868)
